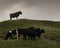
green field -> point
(50, 39)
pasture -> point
(50, 39)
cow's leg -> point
(19, 36)
(29, 37)
(16, 17)
(24, 37)
(34, 38)
(10, 17)
(10, 37)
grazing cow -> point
(15, 15)
(10, 34)
(37, 33)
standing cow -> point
(15, 15)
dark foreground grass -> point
(42, 43)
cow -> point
(31, 33)
(10, 34)
(37, 33)
(22, 32)
(15, 15)
(25, 32)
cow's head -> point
(42, 30)
(19, 12)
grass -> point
(29, 44)
(50, 39)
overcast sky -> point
(32, 9)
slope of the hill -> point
(23, 23)
(50, 39)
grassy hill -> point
(51, 38)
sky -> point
(31, 9)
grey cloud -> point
(47, 5)
(4, 4)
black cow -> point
(24, 32)
(15, 15)
(31, 33)
(37, 33)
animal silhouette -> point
(15, 15)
